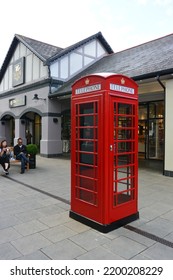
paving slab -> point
(125, 247)
(31, 243)
(159, 227)
(9, 221)
(55, 219)
(99, 253)
(8, 252)
(158, 252)
(35, 222)
(58, 233)
(64, 250)
(37, 255)
(30, 227)
(90, 239)
(8, 234)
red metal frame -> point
(104, 165)
(123, 161)
(85, 156)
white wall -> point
(73, 62)
(34, 69)
(169, 126)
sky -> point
(123, 23)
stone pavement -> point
(35, 223)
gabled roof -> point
(143, 60)
(147, 60)
(40, 49)
(98, 36)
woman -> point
(5, 156)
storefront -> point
(35, 92)
(151, 130)
(32, 71)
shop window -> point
(66, 126)
(143, 112)
(156, 109)
(151, 130)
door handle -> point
(111, 148)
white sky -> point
(123, 23)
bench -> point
(13, 160)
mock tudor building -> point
(32, 71)
(35, 91)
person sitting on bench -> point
(5, 156)
(21, 154)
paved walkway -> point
(35, 223)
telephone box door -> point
(86, 153)
(123, 158)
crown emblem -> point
(87, 81)
(122, 81)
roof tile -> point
(41, 48)
(151, 57)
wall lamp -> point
(55, 120)
(36, 98)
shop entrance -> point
(32, 122)
(142, 140)
(9, 123)
(151, 130)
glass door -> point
(86, 158)
(156, 130)
(151, 130)
(87, 152)
(123, 156)
(155, 139)
(142, 138)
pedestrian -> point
(28, 137)
(5, 156)
(21, 154)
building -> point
(35, 69)
(32, 71)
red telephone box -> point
(104, 147)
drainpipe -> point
(160, 82)
(164, 90)
(50, 84)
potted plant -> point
(32, 150)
